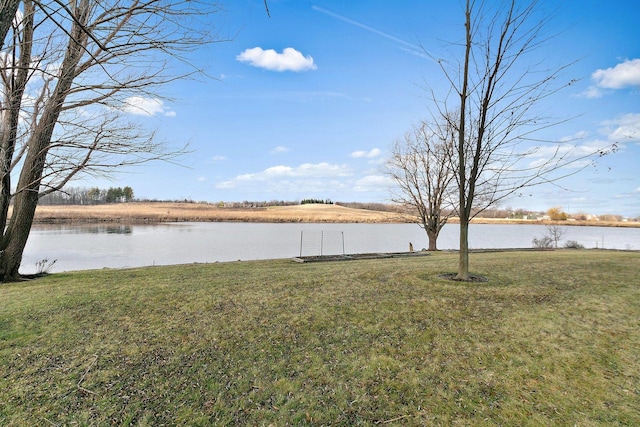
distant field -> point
(157, 212)
(179, 212)
(552, 338)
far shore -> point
(156, 212)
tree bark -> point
(463, 261)
(26, 199)
(464, 200)
(433, 240)
(17, 235)
(8, 9)
(11, 113)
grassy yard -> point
(553, 338)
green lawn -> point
(552, 338)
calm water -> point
(99, 246)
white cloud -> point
(147, 107)
(279, 149)
(289, 60)
(375, 152)
(622, 75)
(201, 179)
(623, 129)
(219, 158)
(625, 74)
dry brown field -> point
(151, 212)
(196, 212)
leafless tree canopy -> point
(72, 72)
(499, 81)
(421, 170)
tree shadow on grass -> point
(472, 278)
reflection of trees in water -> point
(115, 229)
(85, 228)
(103, 229)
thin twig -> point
(266, 6)
(393, 419)
(50, 422)
(79, 385)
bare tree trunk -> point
(18, 233)
(28, 189)
(463, 261)
(8, 9)
(25, 204)
(14, 90)
(464, 200)
(433, 240)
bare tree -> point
(71, 73)
(556, 233)
(420, 168)
(497, 87)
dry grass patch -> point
(551, 339)
(174, 212)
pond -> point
(82, 247)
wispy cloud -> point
(405, 45)
(375, 152)
(303, 179)
(279, 149)
(281, 172)
(372, 183)
(289, 60)
(572, 155)
(147, 107)
(373, 156)
(623, 129)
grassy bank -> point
(552, 338)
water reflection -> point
(84, 228)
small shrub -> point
(44, 267)
(545, 242)
(572, 244)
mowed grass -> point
(553, 338)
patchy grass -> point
(552, 338)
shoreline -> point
(158, 212)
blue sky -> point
(306, 103)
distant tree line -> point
(316, 201)
(246, 204)
(88, 196)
